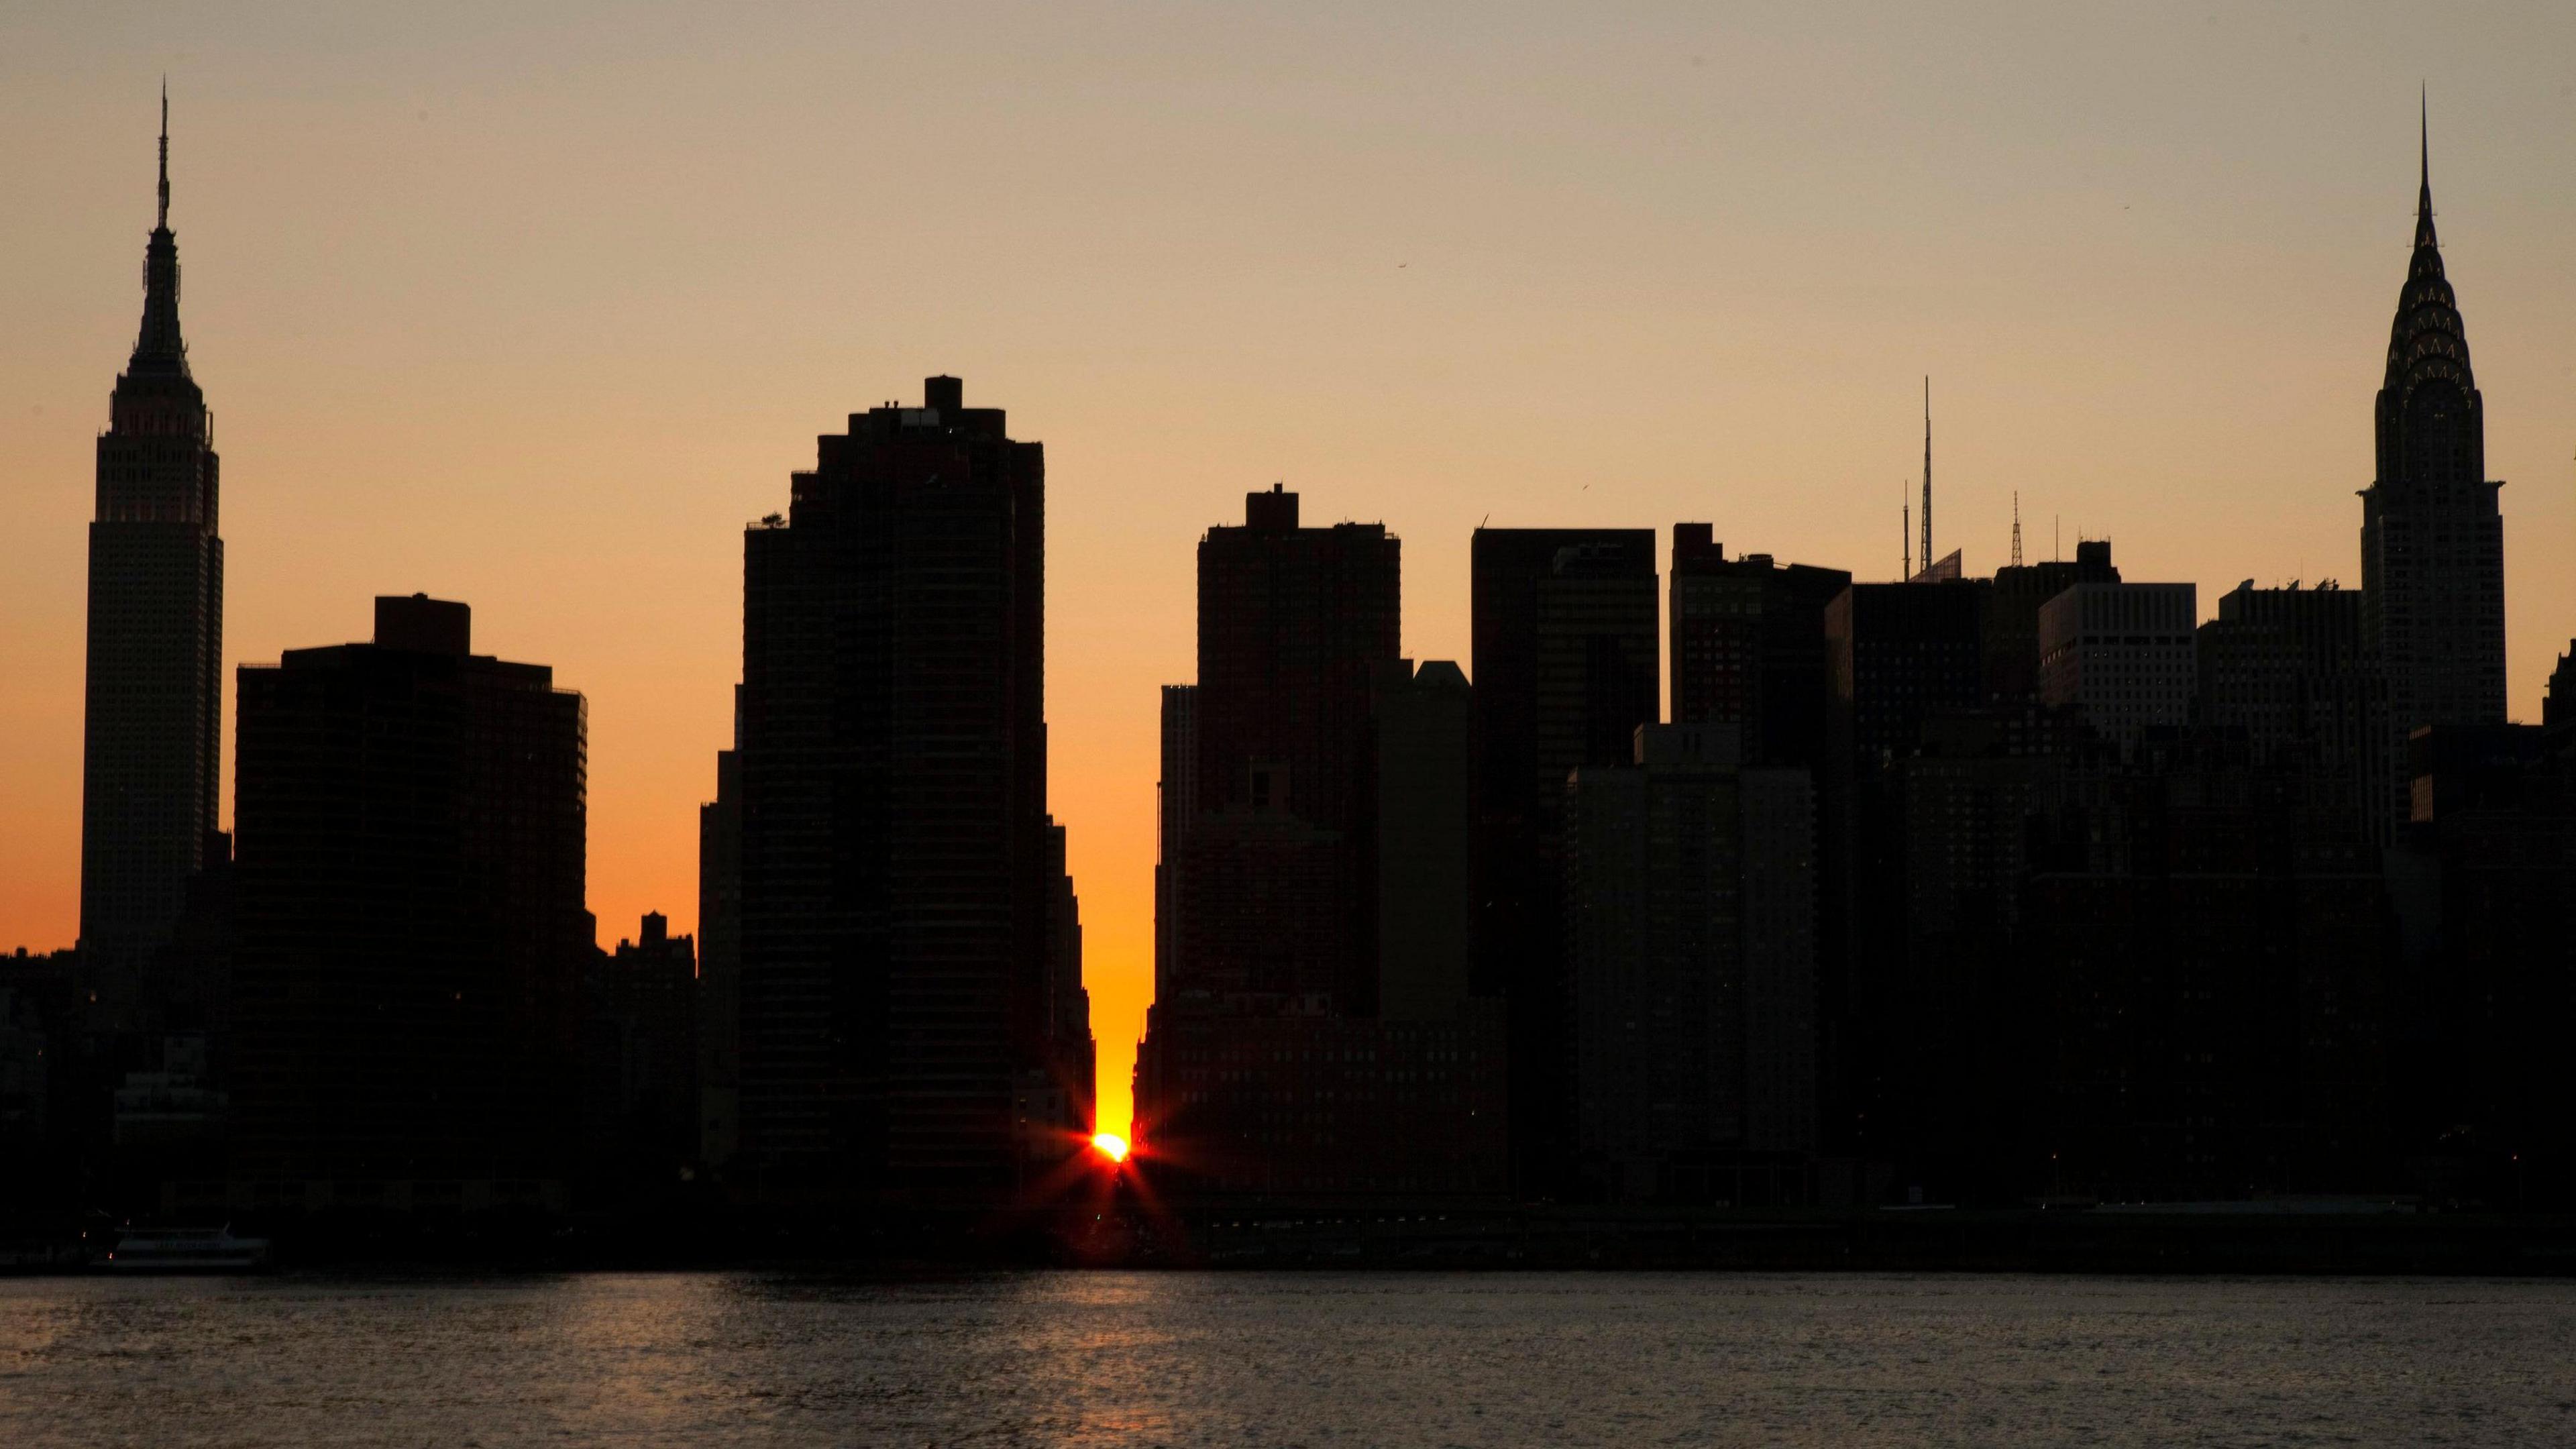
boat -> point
(187, 1250)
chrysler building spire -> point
(2432, 540)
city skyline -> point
(1123, 555)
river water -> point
(1284, 1359)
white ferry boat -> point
(187, 1250)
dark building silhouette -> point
(895, 866)
(2432, 542)
(1291, 623)
(2123, 654)
(1691, 947)
(1565, 660)
(2013, 602)
(1896, 655)
(2288, 669)
(46, 1091)
(2218, 985)
(154, 707)
(2558, 706)
(1057, 1097)
(410, 926)
(1312, 1031)
(1748, 646)
(1425, 769)
(1176, 801)
(640, 1099)
(1955, 1014)
(720, 961)
(2486, 875)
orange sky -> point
(536, 313)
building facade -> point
(1690, 914)
(410, 928)
(1566, 668)
(2124, 654)
(895, 865)
(1748, 646)
(150, 771)
(2432, 541)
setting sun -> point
(1111, 1146)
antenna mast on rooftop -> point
(2016, 563)
(1927, 472)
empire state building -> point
(156, 630)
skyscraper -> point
(1312, 1030)
(2432, 542)
(1292, 621)
(1691, 942)
(2123, 653)
(1748, 646)
(720, 959)
(411, 930)
(2287, 668)
(1176, 800)
(1426, 839)
(1565, 671)
(895, 853)
(150, 772)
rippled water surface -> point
(1116, 1358)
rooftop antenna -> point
(164, 223)
(1904, 533)
(2016, 563)
(2056, 541)
(1927, 471)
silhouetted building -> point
(2288, 669)
(1426, 839)
(2486, 869)
(2012, 615)
(720, 961)
(1057, 1100)
(410, 923)
(2123, 654)
(1690, 932)
(640, 1098)
(1896, 654)
(895, 857)
(1312, 1031)
(1748, 646)
(2218, 986)
(1566, 669)
(2432, 542)
(2558, 706)
(1302, 1105)
(154, 708)
(1291, 622)
(47, 1090)
(1176, 798)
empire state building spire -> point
(158, 349)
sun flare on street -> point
(1111, 1146)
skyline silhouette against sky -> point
(537, 313)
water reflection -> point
(1102, 1358)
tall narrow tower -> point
(2432, 543)
(156, 629)
(1927, 472)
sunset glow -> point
(1111, 1146)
